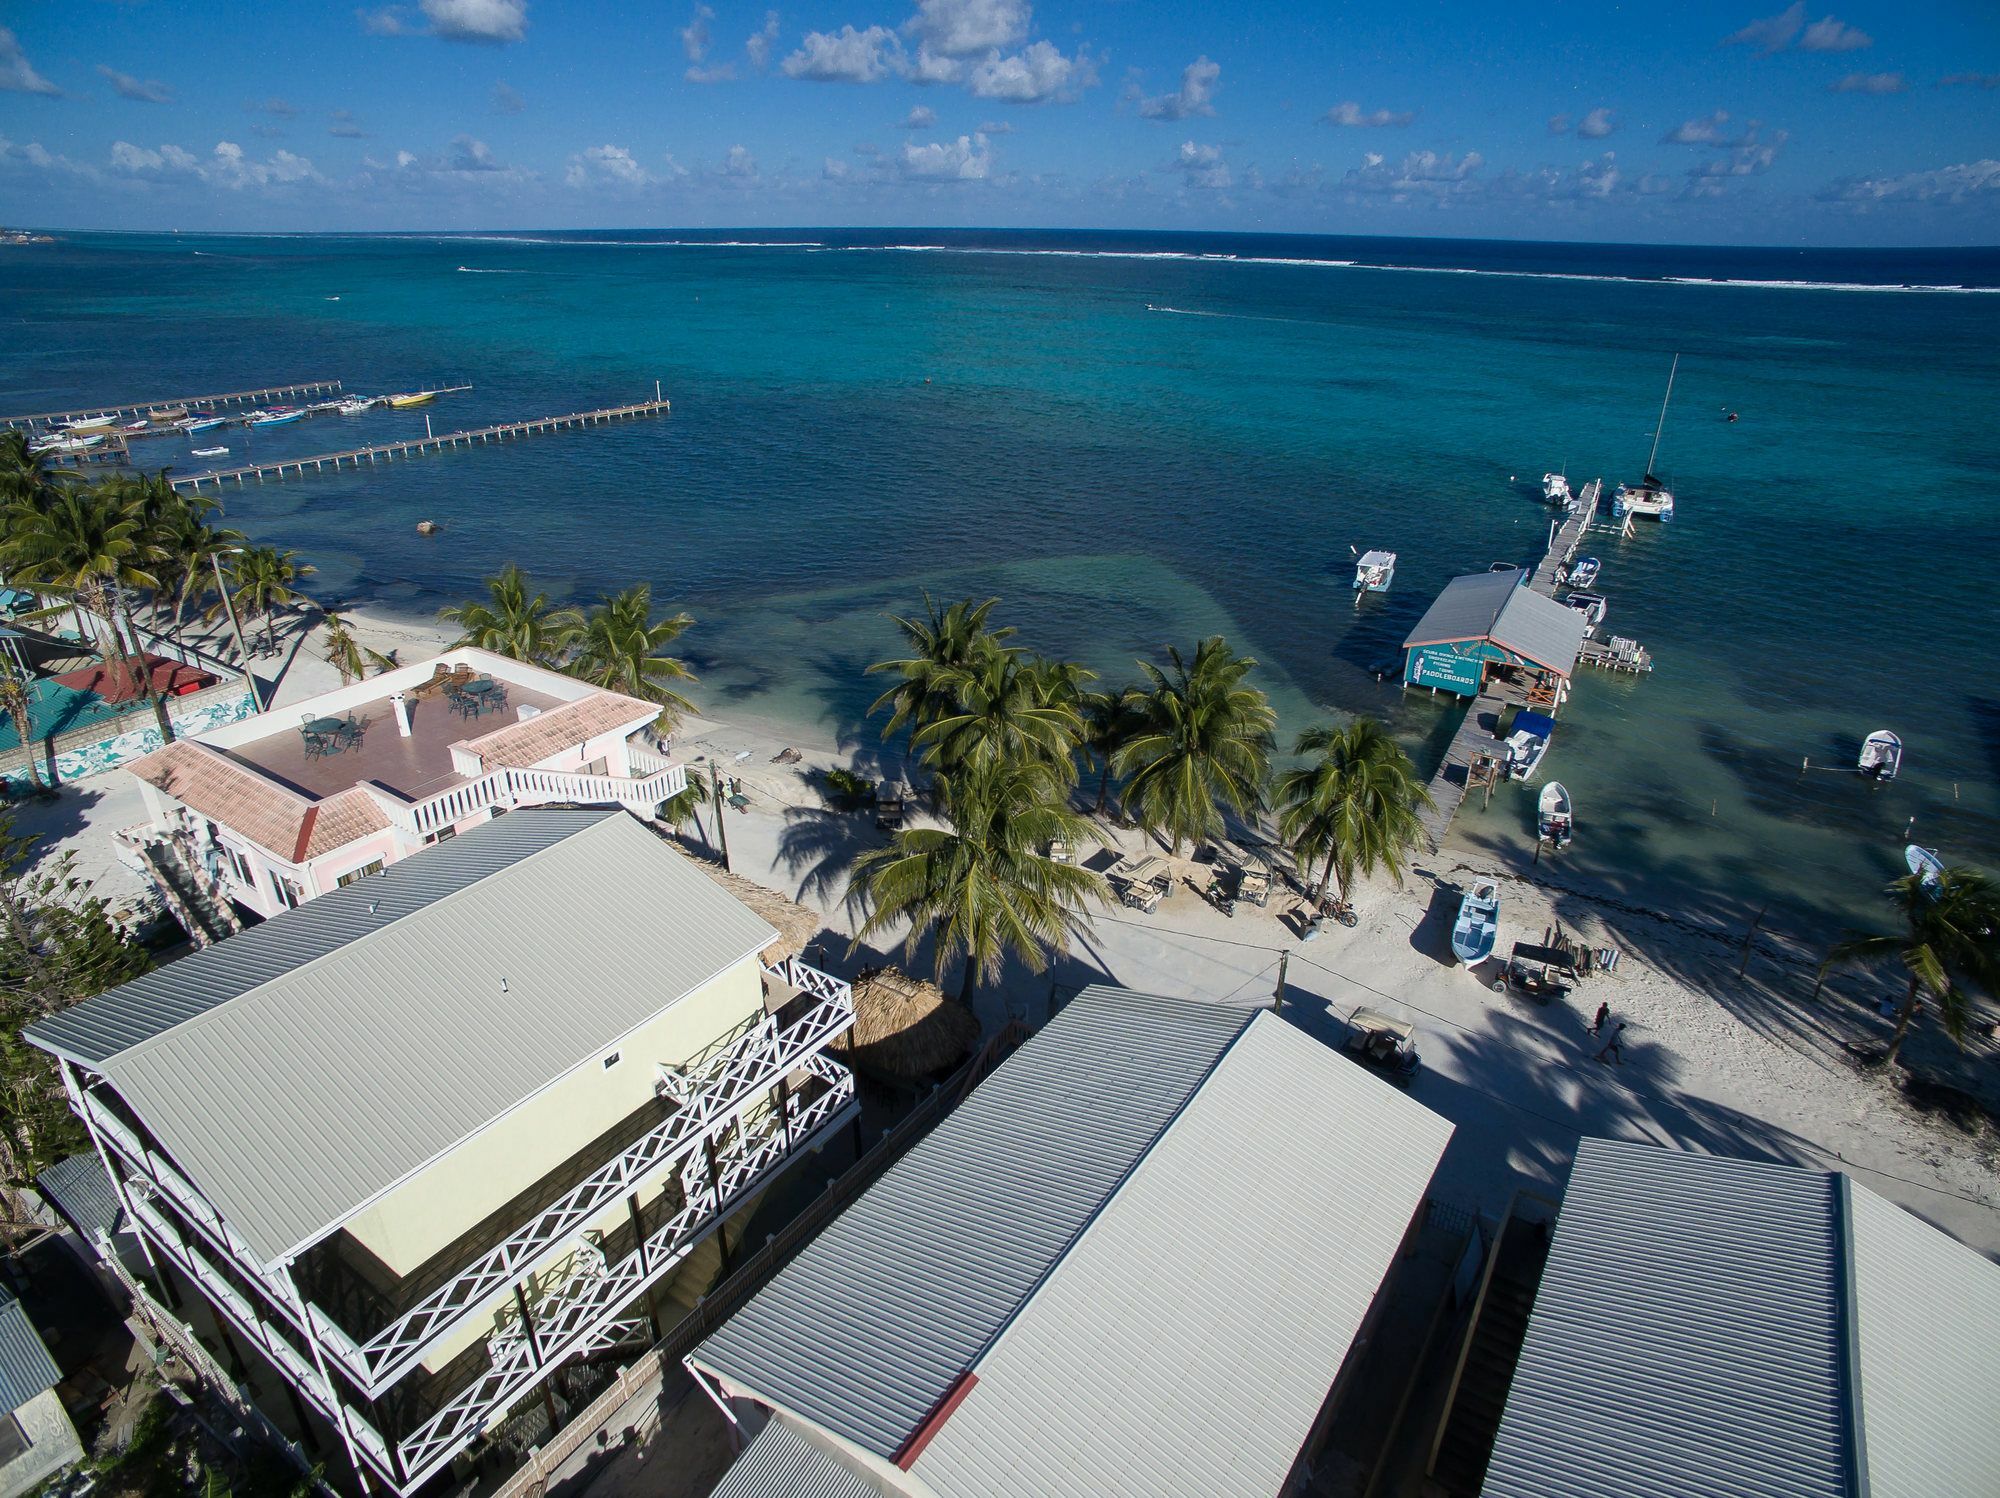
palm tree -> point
(512, 621)
(1109, 719)
(87, 543)
(1354, 808)
(261, 579)
(343, 651)
(14, 702)
(1951, 933)
(620, 648)
(1006, 707)
(25, 476)
(942, 643)
(191, 552)
(1204, 741)
(982, 885)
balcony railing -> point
(579, 1314)
(662, 781)
(737, 1077)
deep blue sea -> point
(1141, 438)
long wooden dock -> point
(414, 446)
(1566, 538)
(1477, 734)
(186, 402)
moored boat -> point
(199, 421)
(412, 398)
(1374, 571)
(1927, 866)
(1478, 925)
(1528, 743)
(1555, 488)
(87, 424)
(210, 452)
(1554, 823)
(1583, 572)
(1593, 607)
(169, 417)
(277, 416)
(1881, 755)
(1650, 497)
(354, 405)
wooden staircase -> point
(1486, 1366)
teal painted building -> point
(1487, 622)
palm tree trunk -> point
(1903, 1022)
(965, 983)
(1103, 789)
(1325, 876)
(142, 676)
(24, 730)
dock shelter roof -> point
(303, 1068)
(1708, 1325)
(1074, 1238)
(1494, 607)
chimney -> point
(402, 714)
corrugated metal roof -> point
(1928, 1319)
(1494, 606)
(783, 1462)
(26, 1369)
(301, 1069)
(1186, 1343)
(80, 1190)
(867, 1328)
(1687, 1337)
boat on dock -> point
(79, 444)
(1528, 743)
(277, 416)
(1927, 866)
(88, 424)
(1583, 572)
(1477, 928)
(412, 398)
(199, 421)
(1650, 496)
(172, 416)
(354, 405)
(1555, 489)
(1881, 755)
(1374, 571)
(1554, 822)
(1593, 607)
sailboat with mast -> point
(1650, 497)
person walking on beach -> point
(1614, 1047)
(1603, 1014)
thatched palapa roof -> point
(797, 926)
(905, 1027)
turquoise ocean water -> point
(1132, 441)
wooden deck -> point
(415, 446)
(168, 403)
(1476, 733)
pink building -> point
(270, 812)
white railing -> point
(736, 1078)
(576, 1315)
(513, 787)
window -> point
(290, 896)
(612, 1060)
(598, 766)
(442, 835)
(361, 873)
(240, 867)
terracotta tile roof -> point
(223, 791)
(339, 820)
(521, 745)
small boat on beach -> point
(1593, 607)
(1583, 572)
(1478, 925)
(1650, 497)
(1881, 755)
(1927, 866)
(1374, 571)
(210, 452)
(1555, 489)
(412, 398)
(1554, 823)
(277, 416)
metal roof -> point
(1737, 1328)
(784, 1462)
(80, 1190)
(864, 1332)
(26, 1369)
(302, 1069)
(1494, 606)
(1152, 1234)
(1187, 1341)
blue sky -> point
(1865, 123)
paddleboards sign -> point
(1437, 666)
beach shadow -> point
(1432, 933)
(818, 845)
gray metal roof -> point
(349, 1047)
(868, 1327)
(80, 1190)
(783, 1462)
(26, 1369)
(1187, 1341)
(1730, 1327)
(1494, 606)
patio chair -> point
(351, 730)
(318, 745)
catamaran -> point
(1650, 496)
(1881, 755)
(1478, 925)
(1374, 571)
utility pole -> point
(1278, 996)
(721, 827)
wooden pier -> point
(414, 446)
(1477, 734)
(184, 402)
(1566, 538)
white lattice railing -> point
(578, 1314)
(662, 781)
(734, 1079)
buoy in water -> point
(427, 527)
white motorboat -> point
(354, 405)
(200, 421)
(1554, 823)
(277, 416)
(1583, 572)
(210, 452)
(1650, 497)
(1555, 489)
(1593, 607)
(87, 424)
(1478, 925)
(1528, 743)
(1374, 571)
(66, 444)
(1927, 866)
(1881, 755)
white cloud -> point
(506, 101)
(931, 67)
(845, 56)
(143, 90)
(921, 118)
(477, 20)
(1948, 184)
(1036, 75)
(1592, 180)
(963, 160)
(695, 35)
(469, 155)
(228, 166)
(282, 108)
(1558, 124)
(17, 74)
(1422, 174)
(739, 163)
(758, 47)
(1868, 83)
(1352, 116)
(601, 165)
(1201, 166)
(1773, 33)
(996, 127)
(1596, 125)
(835, 170)
(390, 20)
(1702, 132)
(964, 28)
(1194, 97)
(1970, 80)
(345, 125)
(1829, 35)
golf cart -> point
(889, 807)
(1537, 972)
(1144, 884)
(1253, 881)
(1388, 1045)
